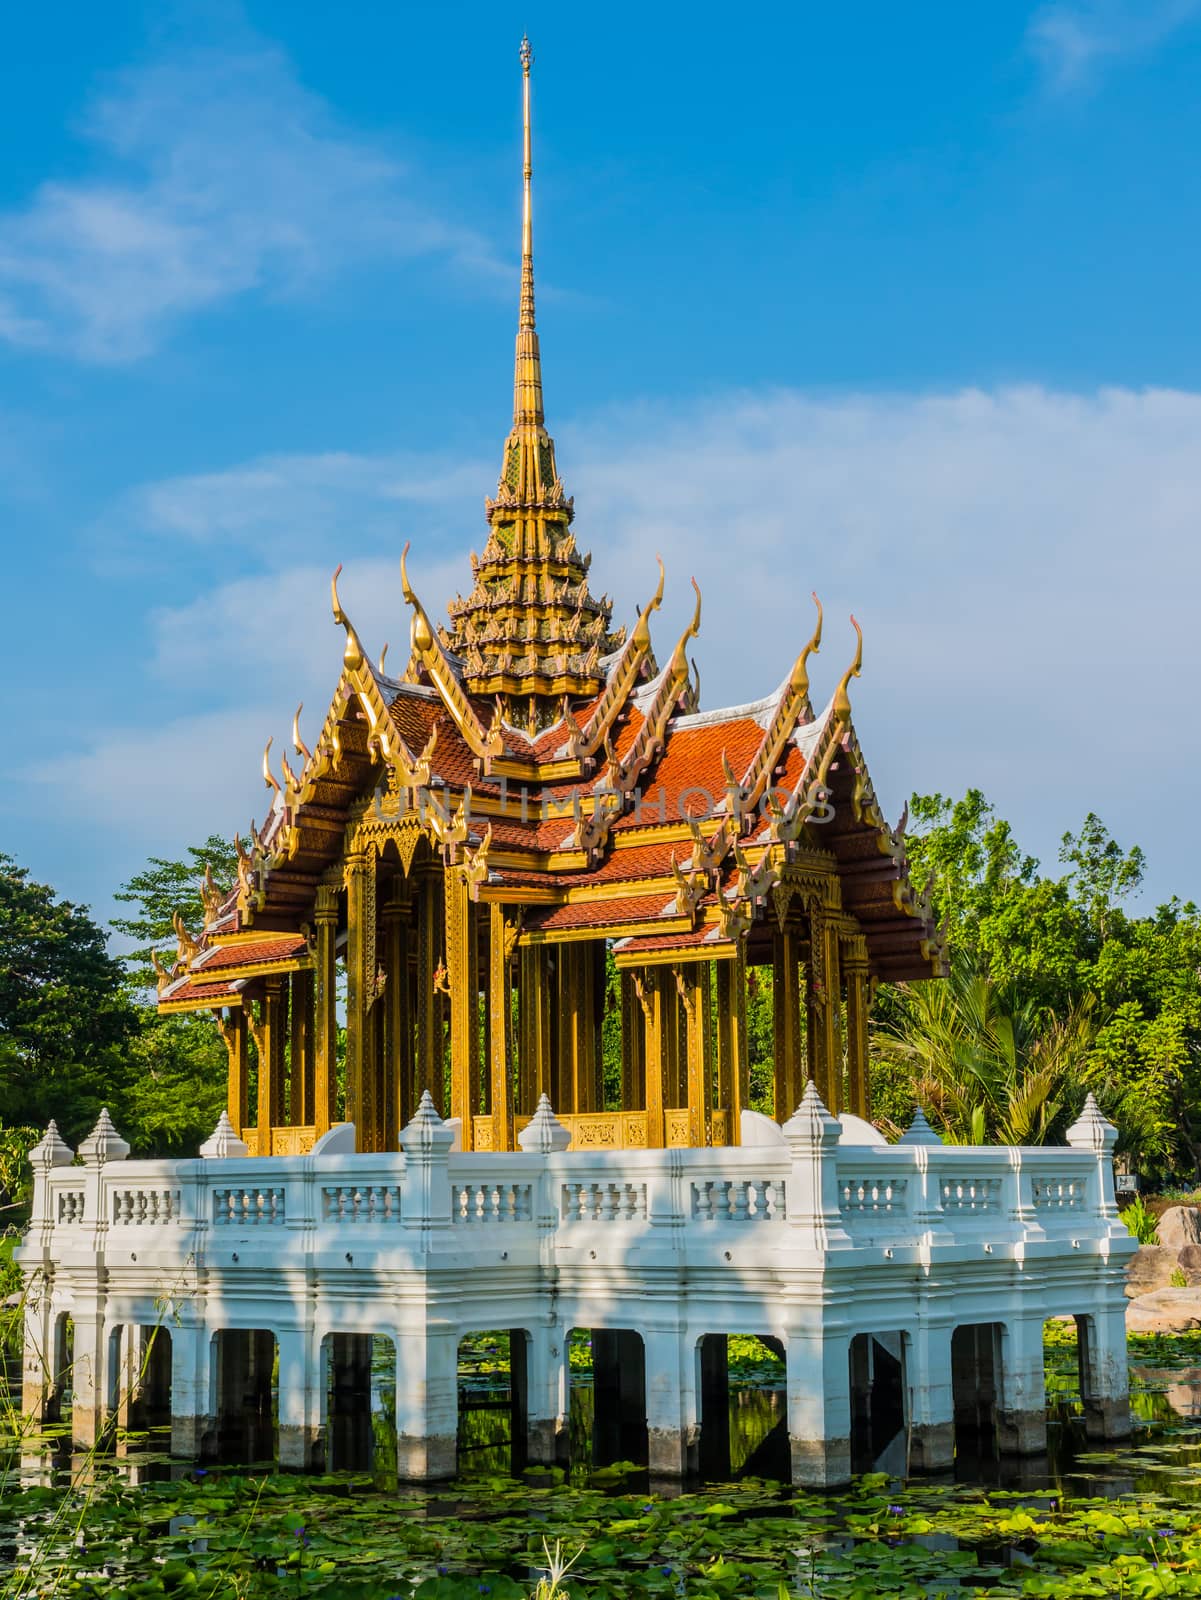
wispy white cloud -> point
(1075, 41)
(282, 508)
(1024, 564)
(215, 175)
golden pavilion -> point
(534, 822)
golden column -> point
(429, 1002)
(633, 1045)
(325, 1027)
(501, 937)
(534, 1009)
(656, 991)
(733, 1046)
(397, 1102)
(300, 1017)
(693, 981)
(822, 1009)
(462, 965)
(269, 1036)
(855, 971)
(360, 991)
(786, 1020)
(233, 1031)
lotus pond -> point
(1078, 1522)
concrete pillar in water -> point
(299, 1400)
(89, 1379)
(191, 1388)
(819, 1407)
(1022, 1397)
(672, 1422)
(1104, 1374)
(427, 1401)
(546, 1394)
(931, 1403)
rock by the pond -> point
(1180, 1225)
(1188, 1259)
(1164, 1311)
(1151, 1267)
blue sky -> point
(897, 303)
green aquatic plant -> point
(1142, 1224)
(1111, 1522)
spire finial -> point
(527, 386)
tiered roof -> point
(575, 778)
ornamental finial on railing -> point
(919, 1130)
(426, 1134)
(104, 1143)
(51, 1150)
(1092, 1130)
(544, 1134)
(223, 1144)
(811, 1123)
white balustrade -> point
(1059, 1194)
(360, 1202)
(738, 1199)
(484, 1202)
(144, 1207)
(250, 1207)
(602, 1202)
(971, 1194)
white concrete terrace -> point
(806, 1239)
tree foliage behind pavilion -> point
(1057, 987)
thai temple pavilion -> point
(470, 844)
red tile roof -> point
(251, 952)
(600, 913)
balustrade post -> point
(425, 1188)
(36, 1261)
(812, 1196)
(1091, 1131)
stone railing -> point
(805, 1193)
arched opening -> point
(139, 1378)
(493, 1401)
(60, 1385)
(359, 1403)
(246, 1384)
(975, 1358)
(608, 1397)
(877, 1384)
(743, 1407)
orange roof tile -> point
(252, 952)
(600, 913)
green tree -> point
(162, 889)
(178, 1064)
(1051, 947)
(988, 1066)
(65, 1017)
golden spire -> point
(527, 372)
